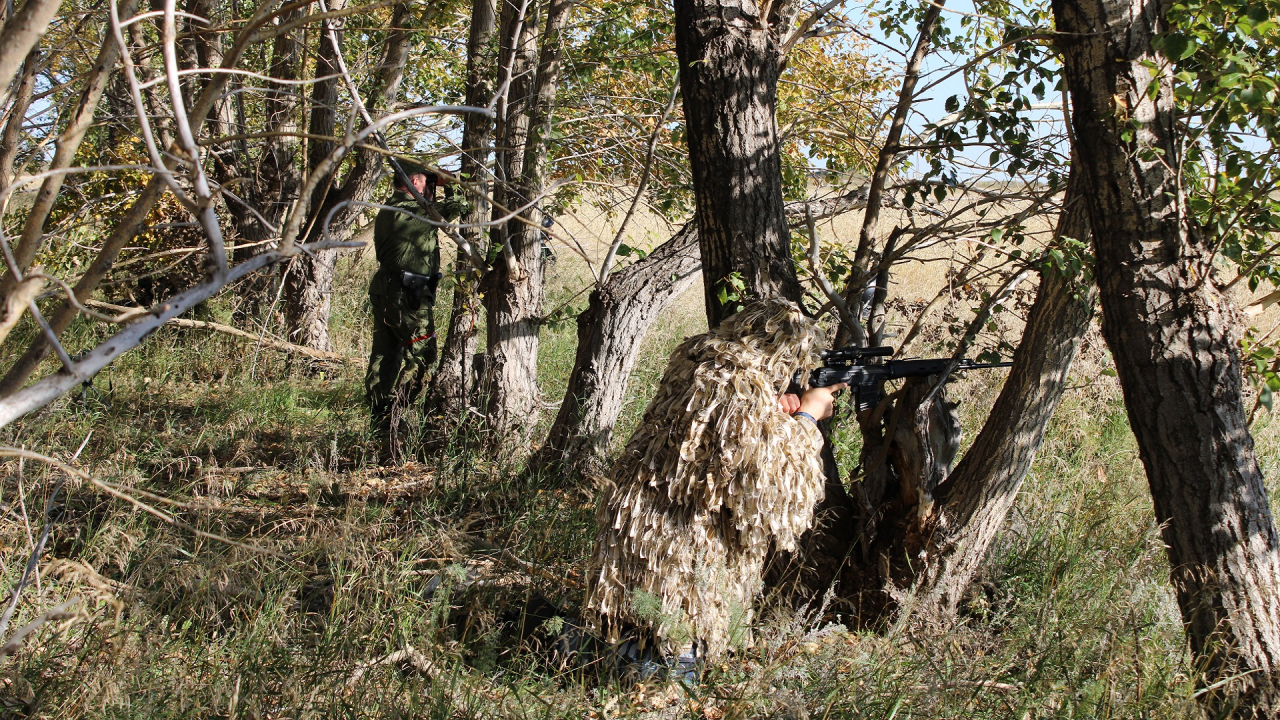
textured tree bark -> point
(912, 523)
(976, 497)
(452, 388)
(729, 64)
(610, 333)
(514, 285)
(1170, 332)
(308, 279)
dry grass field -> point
(395, 592)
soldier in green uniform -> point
(402, 295)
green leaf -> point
(1264, 396)
(1178, 46)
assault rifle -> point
(850, 365)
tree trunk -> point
(20, 34)
(17, 117)
(451, 387)
(729, 64)
(309, 278)
(911, 521)
(1170, 331)
(268, 181)
(610, 333)
(514, 285)
(976, 497)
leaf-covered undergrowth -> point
(401, 592)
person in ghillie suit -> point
(722, 465)
(402, 296)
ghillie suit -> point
(714, 473)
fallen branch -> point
(229, 330)
(408, 660)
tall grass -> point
(1072, 615)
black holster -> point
(419, 287)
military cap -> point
(412, 168)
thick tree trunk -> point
(452, 387)
(729, 64)
(913, 523)
(610, 333)
(1169, 330)
(976, 497)
(308, 278)
(514, 285)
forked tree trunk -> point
(1170, 332)
(912, 523)
(452, 386)
(610, 333)
(974, 500)
(729, 64)
(514, 285)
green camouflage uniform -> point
(404, 342)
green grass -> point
(1072, 616)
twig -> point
(978, 321)
(232, 331)
(889, 151)
(815, 268)
(607, 264)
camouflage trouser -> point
(404, 347)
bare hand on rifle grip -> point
(817, 402)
